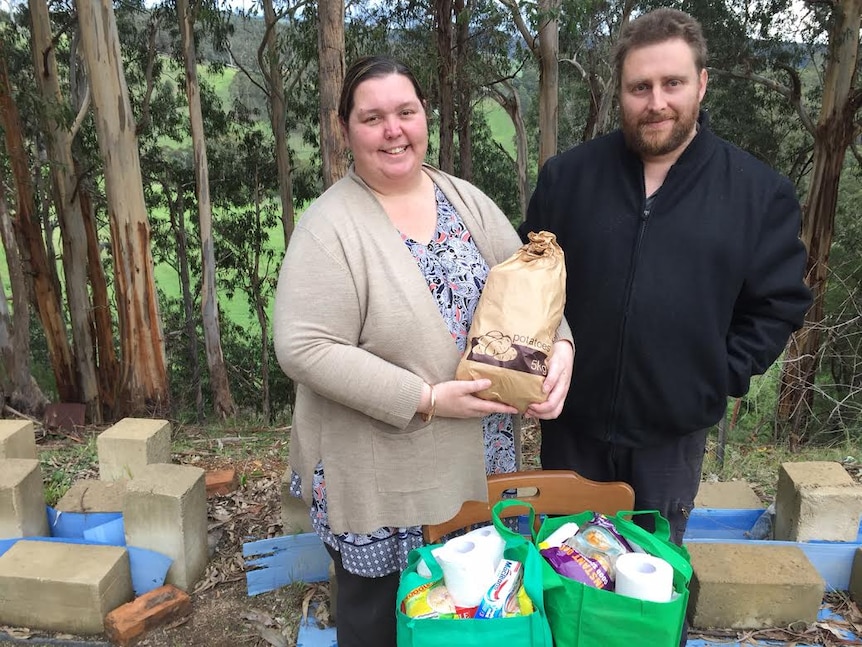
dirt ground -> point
(223, 615)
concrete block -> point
(93, 496)
(125, 624)
(294, 512)
(816, 501)
(57, 586)
(17, 439)
(131, 444)
(220, 482)
(165, 510)
(736, 495)
(752, 586)
(22, 499)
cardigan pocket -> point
(405, 462)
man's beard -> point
(660, 143)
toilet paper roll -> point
(469, 563)
(643, 576)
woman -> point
(374, 302)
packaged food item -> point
(502, 597)
(573, 564)
(589, 555)
(600, 541)
(431, 600)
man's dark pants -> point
(664, 477)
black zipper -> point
(646, 208)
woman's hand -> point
(556, 383)
(455, 399)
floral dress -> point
(456, 273)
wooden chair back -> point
(556, 492)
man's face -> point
(660, 95)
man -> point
(685, 274)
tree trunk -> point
(68, 207)
(46, 299)
(445, 72)
(178, 226)
(106, 355)
(833, 135)
(463, 90)
(278, 117)
(19, 387)
(260, 304)
(330, 52)
(142, 383)
(549, 75)
(511, 103)
(222, 398)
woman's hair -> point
(658, 26)
(371, 67)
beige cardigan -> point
(358, 331)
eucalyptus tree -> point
(142, 383)
(330, 65)
(223, 402)
(538, 24)
(46, 297)
(68, 202)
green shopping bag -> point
(516, 631)
(584, 616)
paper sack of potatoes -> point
(512, 335)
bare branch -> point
(151, 58)
(794, 98)
(82, 113)
(521, 25)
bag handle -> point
(505, 532)
(426, 554)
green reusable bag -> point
(584, 616)
(516, 631)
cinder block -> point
(295, 518)
(728, 494)
(125, 624)
(220, 482)
(752, 586)
(93, 496)
(17, 439)
(131, 444)
(165, 510)
(22, 499)
(816, 501)
(57, 586)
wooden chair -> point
(557, 492)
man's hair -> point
(658, 26)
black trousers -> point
(365, 607)
(665, 477)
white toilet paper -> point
(644, 577)
(469, 563)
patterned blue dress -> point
(456, 273)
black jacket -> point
(676, 307)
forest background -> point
(156, 156)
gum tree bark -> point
(142, 385)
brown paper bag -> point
(512, 335)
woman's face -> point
(387, 131)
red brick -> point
(221, 481)
(125, 624)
